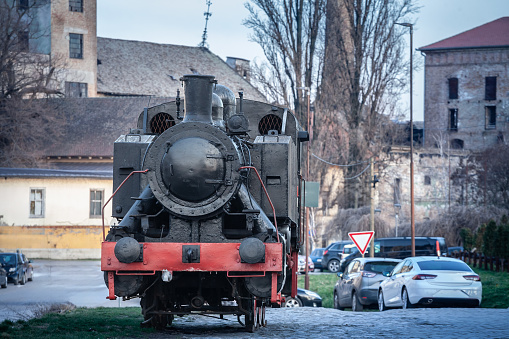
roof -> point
(52, 173)
(127, 67)
(92, 125)
(489, 35)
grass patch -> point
(323, 284)
(80, 323)
(494, 287)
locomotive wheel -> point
(160, 321)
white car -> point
(430, 281)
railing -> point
(484, 262)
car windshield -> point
(7, 258)
(379, 267)
(443, 265)
(317, 252)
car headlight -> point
(12, 269)
(313, 294)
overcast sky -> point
(182, 23)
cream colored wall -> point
(67, 201)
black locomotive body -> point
(208, 207)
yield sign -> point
(361, 239)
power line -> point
(338, 165)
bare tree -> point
(291, 35)
(26, 74)
(364, 70)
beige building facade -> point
(54, 213)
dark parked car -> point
(316, 256)
(3, 278)
(304, 298)
(332, 255)
(18, 267)
(358, 286)
(451, 251)
(401, 248)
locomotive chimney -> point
(198, 98)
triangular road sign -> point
(361, 239)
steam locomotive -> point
(208, 207)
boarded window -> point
(453, 88)
(397, 193)
(76, 46)
(23, 38)
(37, 203)
(453, 119)
(96, 202)
(76, 89)
(491, 117)
(76, 5)
(490, 88)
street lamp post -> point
(397, 207)
(412, 205)
(306, 236)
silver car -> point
(358, 285)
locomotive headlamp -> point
(252, 251)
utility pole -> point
(412, 204)
(372, 199)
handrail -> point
(123, 182)
(267, 194)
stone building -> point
(467, 88)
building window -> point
(37, 203)
(23, 38)
(96, 202)
(491, 117)
(76, 46)
(76, 90)
(490, 88)
(453, 119)
(453, 88)
(76, 5)
(457, 144)
(427, 180)
(23, 5)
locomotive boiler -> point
(208, 209)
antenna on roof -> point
(207, 14)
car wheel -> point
(4, 285)
(406, 301)
(24, 279)
(333, 265)
(16, 280)
(337, 305)
(293, 302)
(381, 302)
(356, 305)
(31, 277)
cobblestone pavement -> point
(329, 323)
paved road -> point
(81, 283)
(329, 323)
